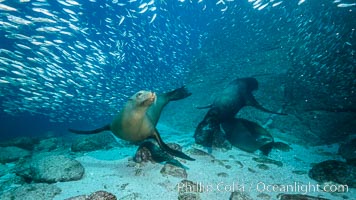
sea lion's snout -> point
(154, 97)
(151, 96)
(147, 98)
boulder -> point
(335, 171)
(47, 144)
(175, 171)
(348, 151)
(240, 196)
(94, 142)
(51, 169)
(22, 142)
(12, 153)
(99, 195)
(31, 192)
(298, 197)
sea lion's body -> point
(247, 135)
(226, 105)
(138, 119)
(132, 122)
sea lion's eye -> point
(139, 94)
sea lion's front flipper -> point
(104, 128)
(169, 150)
(251, 101)
(156, 154)
(178, 94)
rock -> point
(223, 174)
(268, 161)
(264, 196)
(298, 197)
(188, 196)
(348, 151)
(313, 127)
(99, 195)
(9, 180)
(132, 196)
(262, 166)
(12, 153)
(3, 169)
(21, 142)
(188, 190)
(80, 197)
(47, 144)
(335, 171)
(94, 142)
(51, 169)
(198, 152)
(175, 171)
(187, 186)
(31, 192)
(282, 146)
(240, 196)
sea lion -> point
(235, 96)
(138, 118)
(247, 135)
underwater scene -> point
(177, 99)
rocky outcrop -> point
(298, 197)
(94, 142)
(27, 143)
(171, 170)
(31, 191)
(335, 171)
(51, 169)
(240, 196)
(348, 151)
(99, 195)
(12, 153)
(188, 190)
(47, 144)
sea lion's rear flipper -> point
(104, 128)
(169, 150)
(251, 101)
(178, 94)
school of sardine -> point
(70, 59)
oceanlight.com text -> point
(296, 187)
(301, 188)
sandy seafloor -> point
(114, 171)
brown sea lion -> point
(235, 96)
(138, 118)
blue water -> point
(74, 63)
(149, 50)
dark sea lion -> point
(235, 96)
(138, 118)
(247, 135)
(229, 102)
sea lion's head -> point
(144, 98)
